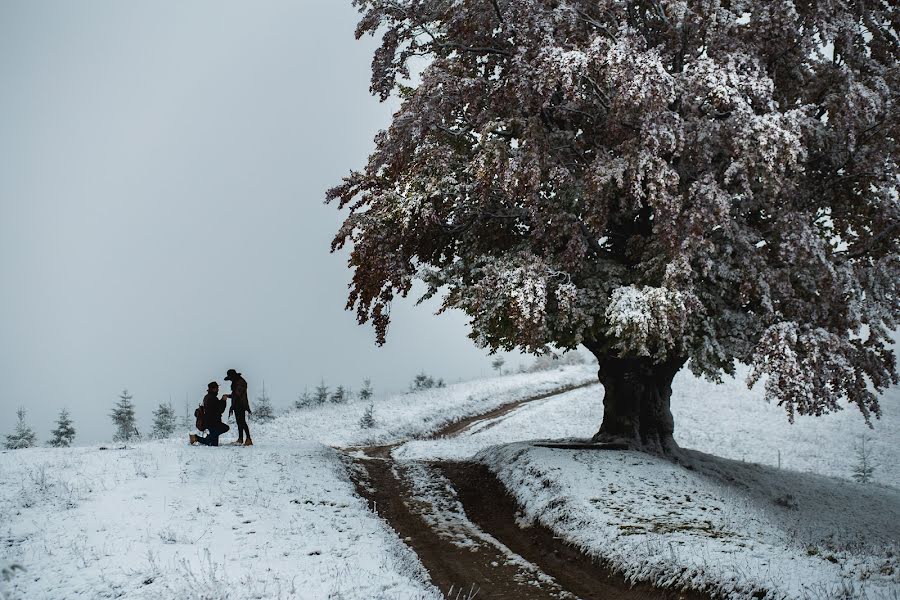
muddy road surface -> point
(465, 528)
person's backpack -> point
(200, 413)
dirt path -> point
(495, 415)
(462, 524)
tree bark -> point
(636, 410)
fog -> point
(162, 175)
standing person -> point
(213, 409)
(240, 405)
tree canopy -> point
(712, 180)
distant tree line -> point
(165, 420)
(322, 395)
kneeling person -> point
(213, 407)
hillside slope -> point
(277, 520)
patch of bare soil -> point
(461, 522)
(460, 564)
(494, 510)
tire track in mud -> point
(462, 523)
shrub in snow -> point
(163, 421)
(864, 467)
(497, 364)
(64, 433)
(367, 421)
(340, 395)
(365, 394)
(423, 381)
(304, 400)
(660, 186)
(23, 436)
(263, 411)
(320, 395)
(122, 417)
(187, 420)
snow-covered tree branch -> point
(661, 181)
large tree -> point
(708, 181)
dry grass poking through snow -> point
(278, 520)
(727, 518)
(736, 528)
(165, 520)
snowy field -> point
(281, 520)
(165, 520)
(407, 416)
(278, 520)
(729, 520)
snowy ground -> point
(278, 520)
(408, 416)
(726, 523)
(164, 520)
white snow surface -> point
(726, 518)
(281, 519)
(408, 416)
(166, 520)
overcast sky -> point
(162, 172)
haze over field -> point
(162, 172)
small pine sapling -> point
(367, 421)
(339, 396)
(865, 466)
(122, 417)
(163, 421)
(366, 393)
(304, 400)
(423, 381)
(186, 422)
(64, 434)
(263, 412)
(23, 436)
(320, 396)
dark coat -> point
(213, 408)
(239, 400)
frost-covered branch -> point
(711, 182)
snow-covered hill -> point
(728, 518)
(281, 520)
(277, 520)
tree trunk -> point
(636, 410)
